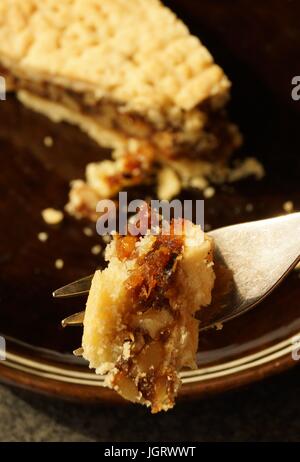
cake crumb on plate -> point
(52, 216)
(88, 231)
(59, 264)
(96, 249)
(288, 206)
(168, 184)
(106, 238)
(209, 192)
(48, 141)
(43, 237)
(249, 207)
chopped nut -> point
(52, 216)
(43, 237)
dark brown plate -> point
(257, 44)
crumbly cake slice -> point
(209, 135)
(137, 53)
(102, 68)
(139, 327)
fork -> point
(258, 255)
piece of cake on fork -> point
(140, 328)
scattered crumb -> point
(43, 237)
(169, 184)
(59, 264)
(249, 208)
(199, 182)
(52, 216)
(88, 231)
(209, 192)
(48, 141)
(248, 167)
(288, 206)
(218, 326)
(96, 250)
(106, 238)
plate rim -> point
(72, 384)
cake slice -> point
(118, 69)
(140, 328)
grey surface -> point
(267, 411)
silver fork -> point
(258, 254)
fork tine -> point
(80, 287)
(74, 320)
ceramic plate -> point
(258, 51)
